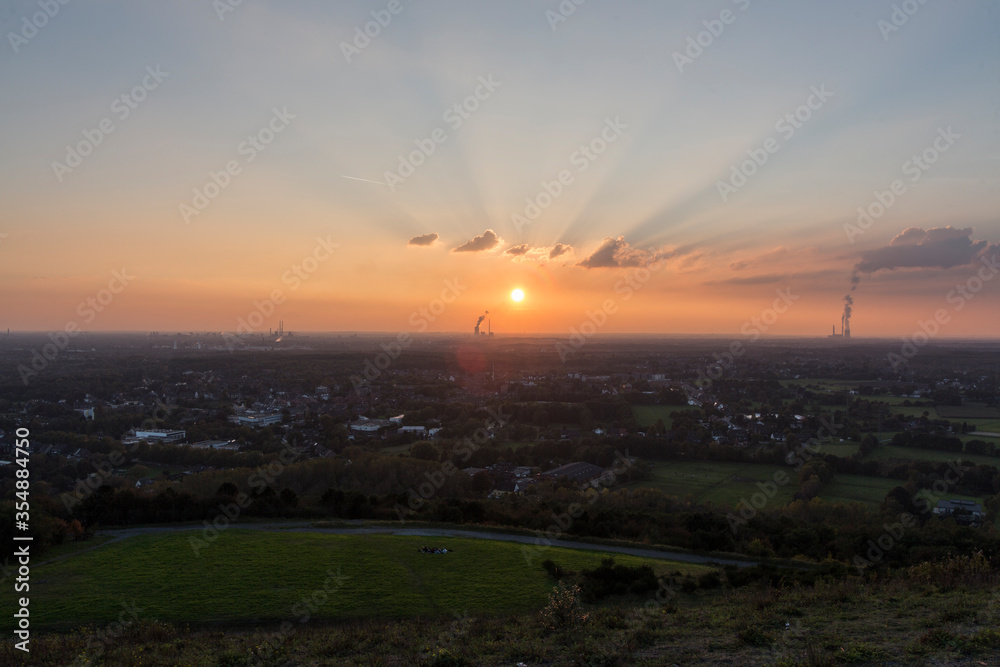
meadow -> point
(247, 576)
(720, 483)
(647, 415)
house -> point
(579, 473)
(964, 512)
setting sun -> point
(517, 295)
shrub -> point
(564, 609)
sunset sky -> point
(492, 102)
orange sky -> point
(631, 160)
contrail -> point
(364, 180)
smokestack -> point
(845, 326)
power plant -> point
(845, 320)
(477, 332)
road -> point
(308, 527)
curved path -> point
(308, 527)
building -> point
(256, 421)
(963, 511)
(579, 473)
(217, 444)
(160, 435)
(364, 425)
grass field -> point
(726, 484)
(821, 384)
(254, 576)
(723, 484)
(844, 450)
(971, 411)
(857, 489)
(886, 452)
(647, 415)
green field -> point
(726, 484)
(822, 384)
(256, 576)
(886, 452)
(848, 489)
(646, 415)
(968, 411)
(723, 484)
(844, 450)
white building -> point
(159, 435)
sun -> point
(517, 295)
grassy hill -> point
(256, 576)
(942, 615)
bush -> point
(564, 609)
(555, 570)
(611, 579)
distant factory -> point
(845, 330)
(845, 320)
(477, 332)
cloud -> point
(488, 240)
(527, 253)
(517, 250)
(763, 258)
(425, 240)
(559, 249)
(616, 253)
(938, 247)
(775, 278)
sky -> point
(684, 167)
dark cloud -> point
(559, 249)
(517, 250)
(939, 247)
(425, 240)
(614, 253)
(488, 240)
